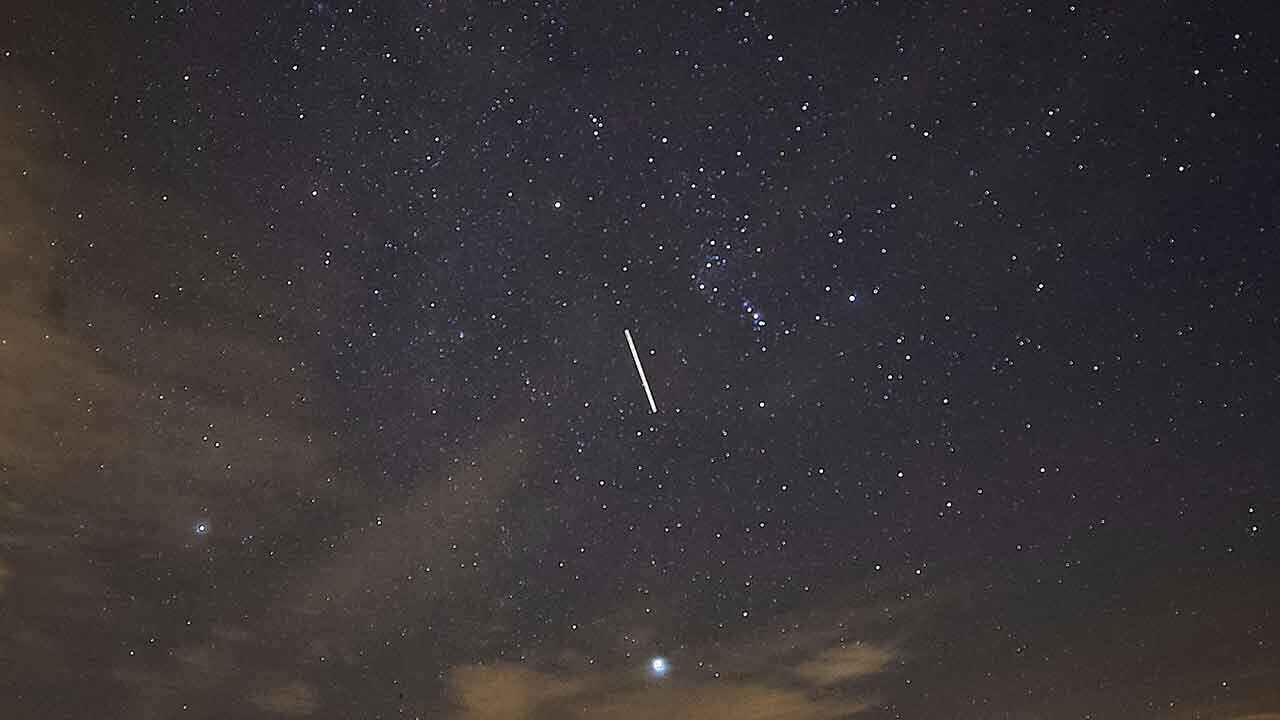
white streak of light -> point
(643, 380)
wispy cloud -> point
(844, 663)
(507, 690)
(122, 420)
(797, 676)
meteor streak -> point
(643, 380)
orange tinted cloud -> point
(793, 691)
(844, 663)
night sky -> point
(961, 323)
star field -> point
(960, 323)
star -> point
(658, 667)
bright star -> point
(658, 667)
(200, 528)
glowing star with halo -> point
(658, 667)
(200, 527)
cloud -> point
(844, 663)
(742, 701)
(292, 700)
(126, 411)
(824, 663)
(231, 665)
(130, 408)
(795, 690)
(419, 532)
(508, 690)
